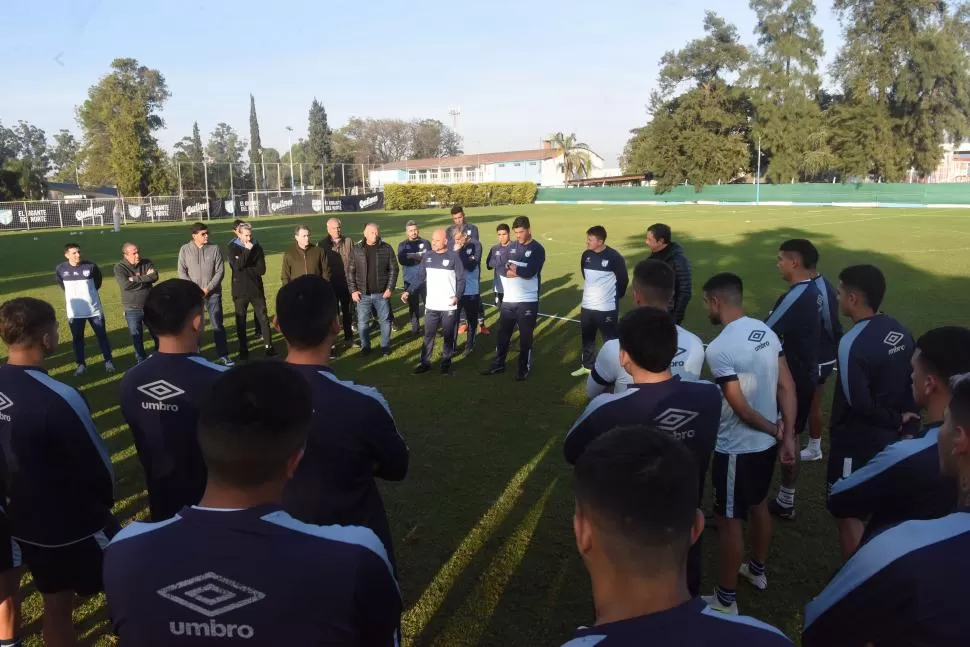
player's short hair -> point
(660, 231)
(945, 351)
(867, 280)
(71, 246)
(305, 310)
(639, 486)
(805, 250)
(410, 223)
(170, 304)
(255, 419)
(237, 222)
(503, 227)
(654, 280)
(521, 222)
(726, 286)
(299, 228)
(245, 225)
(457, 209)
(24, 320)
(960, 399)
(649, 337)
(597, 230)
(198, 227)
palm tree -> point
(576, 162)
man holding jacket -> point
(248, 263)
(371, 278)
(662, 249)
(203, 264)
(135, 276)
(304, 258)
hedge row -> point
(420, 196)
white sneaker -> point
(228, 363)
(712, 601)
(811, 454)
(759, 582)
(109, 367)
(80, 370)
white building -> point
(955, 165)
(542, 166)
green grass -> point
(482, 524)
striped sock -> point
(786, 497)
(726, 597)
(757, 568)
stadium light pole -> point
(289, 136)
(757, 179)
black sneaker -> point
(385, 352)
(396, 327)
(242, 357)
(365, 351)
(522, 376)
(468, 350)
(357, 345)
(270, 351)
(446, 369)
(421, 369)
(784, 513)
(493, 370)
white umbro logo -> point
(211, 594)
(160, 390)
(5, 403)
(893, 338)
(680, 351)
(672, 420)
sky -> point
(517, 69)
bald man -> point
(338, 248)
(371, 277)
(441, 276)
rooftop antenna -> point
(455, 112)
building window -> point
(423, 177)
(433, 177)
(412, 176)
(532, 163)
(517, 164)
(501, 165)
(446, 176)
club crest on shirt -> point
(604, 263)
(469, 251)
(528, 253)
(429, 259)
(445, 262)
(86, 273)
(420, 245)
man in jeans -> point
(371, 278)
(135, 276)
(203, 264)
(338, 248)
(81, 281)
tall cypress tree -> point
(319, 149)
(255, 146)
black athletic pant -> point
(591, 321)
(523, 315)
(414, 305)
(241, 305)
(448, 321)
(498, 299)
(346, 312)
(469, 306)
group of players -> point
(258, 492)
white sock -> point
(815, 444)
(786, 497)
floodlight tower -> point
(455, 112)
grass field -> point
(482, 524)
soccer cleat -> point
(784, 513)
(462, 329)
(759, 582)
(228, 363)
(483, 330)
(712, 601)
(582, 371)
(109, 367)
(80, 370)
(811, 454)
(493, 370)
(421, 369)
(385, 352)
(396, 327)
(522, 376)
(270, 351)
(468, 350)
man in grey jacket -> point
(203, 264)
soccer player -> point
(459, 223)
(441, 276)
(162, 397)
(604, 283)
(827, 359)
(908, 584)
(135, 276)
(671, 253)
(410, 253)
(80, 280)
(248, 263)
(653, 286)
(635, 519)
(903, 481)
(303, 258)
(202, 263)
(521, 279)
(469, 252)
(352, 438)
(371, 279)
(58, 479)
(337, 246)
(747, 361)
(496, 261)
(237, 567)
(797, 320)
(873, 404)
(688, 411)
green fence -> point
(869, 194)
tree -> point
(64, 156)
(576, 162)
(224, 146)
(32, 147)
(188, 159)
(255, 144)
(118, 120)
(319, 146)
(431, 138)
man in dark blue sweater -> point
(59, 483)
(237, 567)
(410, 253)
(352, 438)
(903, 481)
(162, 397)
(873, 404)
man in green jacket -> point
(304, 258)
